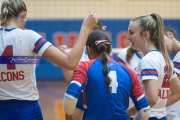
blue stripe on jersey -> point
(139, 56)
(37, 41)
(177, 65)
(149, 72)
(39, 45)
(7, 29)
(74, 89)
(142, 103)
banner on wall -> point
(60, 32)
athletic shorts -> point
(154, 118)
(20, 110)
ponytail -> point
(4, 11)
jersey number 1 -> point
(114, 83)
(9, 52)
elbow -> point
(70, 67)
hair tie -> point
(102, 41)
(104, 28)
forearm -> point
(131, 111)
(172, 98)
(68, 117)
(75, 54)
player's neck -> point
(12, 24)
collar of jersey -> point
(139, 56)
(154, 51)
(7, 29)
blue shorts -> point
(154, 118)
(20, 110)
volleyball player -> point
(154, 71)
(18, 91)
(173, 46)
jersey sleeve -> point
(79, 104)
(176, 62)
(137, 94)
(78, 80)
(148, 70)
(38, 43)
(121, 57)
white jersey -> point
(153, 66)
(84, 56)
(173, 111)
(18, 81)
(133, 62)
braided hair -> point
(99, 42)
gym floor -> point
(50, 92)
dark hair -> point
(129, 54)
(98, 26)
(170, 29)
(11, 9)
(101, 49)
(153, 23)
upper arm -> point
(37, 43)
(78, 80)
(149, 78)
(151, 90)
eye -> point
(131, 33)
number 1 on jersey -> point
(114, 83)
(9, 52)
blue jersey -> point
(97, 103)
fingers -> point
(94, 15)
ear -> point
(170, 35)
(146, 35)
(23, 15)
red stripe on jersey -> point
(39, 44)
(177, 65)
(136, 86)
(149, 72)
(80, 74)
(120, 60)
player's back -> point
(100, 103)
(20, 47)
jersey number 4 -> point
(114, 83)
(9, 52)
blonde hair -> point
(153, 23)
(11, 9)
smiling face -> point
(134, 36)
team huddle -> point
(142, 83)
